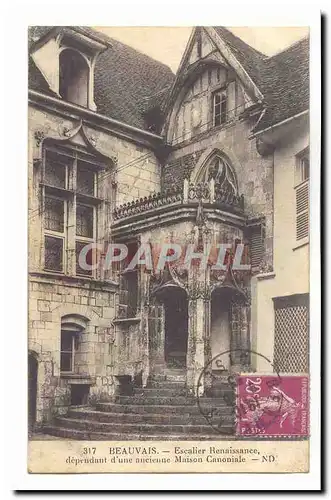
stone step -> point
(166, 371)
(179, 391)
(147, 418)
(166, 384)
(134, 428)
(169, 400)
(175, 375)
(164, 409)
(155, 400)
(160, 391)
(92, 435)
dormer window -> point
(74, 77)
(66, 57)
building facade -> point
(121, 151)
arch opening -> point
(175, 326)
(217, 167)
(74, 77)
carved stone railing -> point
(150, 202)
(199, 191)
(227, 197)
(207, 192)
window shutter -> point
(256, 247)
(302, 211)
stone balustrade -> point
(207, 192)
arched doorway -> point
(32, 388)
(175, 326)
(230, 332)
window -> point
(84, 221)
(74, 77)
(72, 351)
(54, 214)
(85, 234)
(54, 225)
(53, 254)
(85, 179)
(219, 107)
(56, 170)
(70, 208)
(304, 168)
(291, 345)
(219, 169)
(302, 197)
(68, 349)
(128, 295)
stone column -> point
(156, 336)
(207, 345)
(199, 348)
(144, 326)
(235, 341)
(240, 341)
(245, 357)
(191, 340)
(199, 359)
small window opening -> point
(74, 77)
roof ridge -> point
(289, 47)
(258, 52)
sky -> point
(167, 44)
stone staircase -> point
(164, 410)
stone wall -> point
(136, 173)
(254, 172)
(174, 172)
(291, 258)
(49, 301)
(132, 171)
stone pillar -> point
(235, 341)
(144, 326)
(199, 347)
(240, 341)
(207, 346)
(199, 359)
(190, 357)
(245, 357)
(185, 190)
(156, 337)
(144, 332)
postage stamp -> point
(272, 406)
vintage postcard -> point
(169, 239)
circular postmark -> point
(239, 404)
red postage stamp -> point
(272, 405)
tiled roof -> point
(124, 79)
(128, 83)
(283, 78)
(285, 84)
(251, 59)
